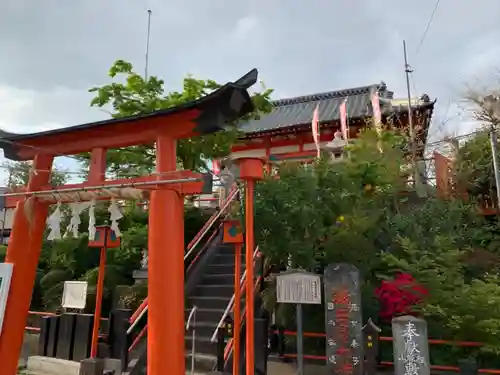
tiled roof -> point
(299, 110)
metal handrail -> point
(214, 218)
(231, 301)
(200, 234)
(192, 316)
(139, 317)
(136, 317)
(230, 343)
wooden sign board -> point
(74, 295)
(5, 277)
(298, 287)
(233, 233)
(104, 237)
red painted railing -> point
(229, 346)
(387, 363)
(222, 212)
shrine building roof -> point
(208, 114)
(296, 111)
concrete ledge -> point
(52, 366)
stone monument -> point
(410, 346)
(142, 273)
(344, 337)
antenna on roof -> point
(147, 46)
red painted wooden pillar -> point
(23, 251)
(250, 170)
(166, 271)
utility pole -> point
(147, 46)
(413, 147)
(492, 105)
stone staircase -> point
(211, 297)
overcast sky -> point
(53, 51)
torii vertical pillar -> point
(251, 169)
(23, 252)
(166, 270)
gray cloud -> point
(53, 51)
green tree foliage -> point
(325, 209)
(19, 174)
(474, 166)
(323, 213)
(457, 307)
(359, 211)
(135, 96)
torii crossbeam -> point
(165, 189)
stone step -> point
(221, 279)
(214, 290)
(203, 363)
(206, 315)
(200, 302)
(204, 329)
(203, 345)
(219, 269)
(52, 366)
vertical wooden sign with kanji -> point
(344, 337)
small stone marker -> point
(410, 345)
(371, 333)
(344, 339)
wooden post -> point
(237, 314)
(98, 302)
(23, 252)
(233, 235)
(166, 271)
(250, 171)
(104, 238)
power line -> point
(424, 35)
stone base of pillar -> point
(92, 366)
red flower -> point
(399, 296)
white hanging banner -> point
(76, 210)
(74, 295)
(115, 215)
(5, 277)
(92, 229)
(54, 223)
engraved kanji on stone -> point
(331, 342)
(353, 307)
(332, 359)
(355, 361)
(411, 348)
(343, 319)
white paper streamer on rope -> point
(92, 229)
(54, 223)
(74, 223)
(115, 215)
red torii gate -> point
(166, 225)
